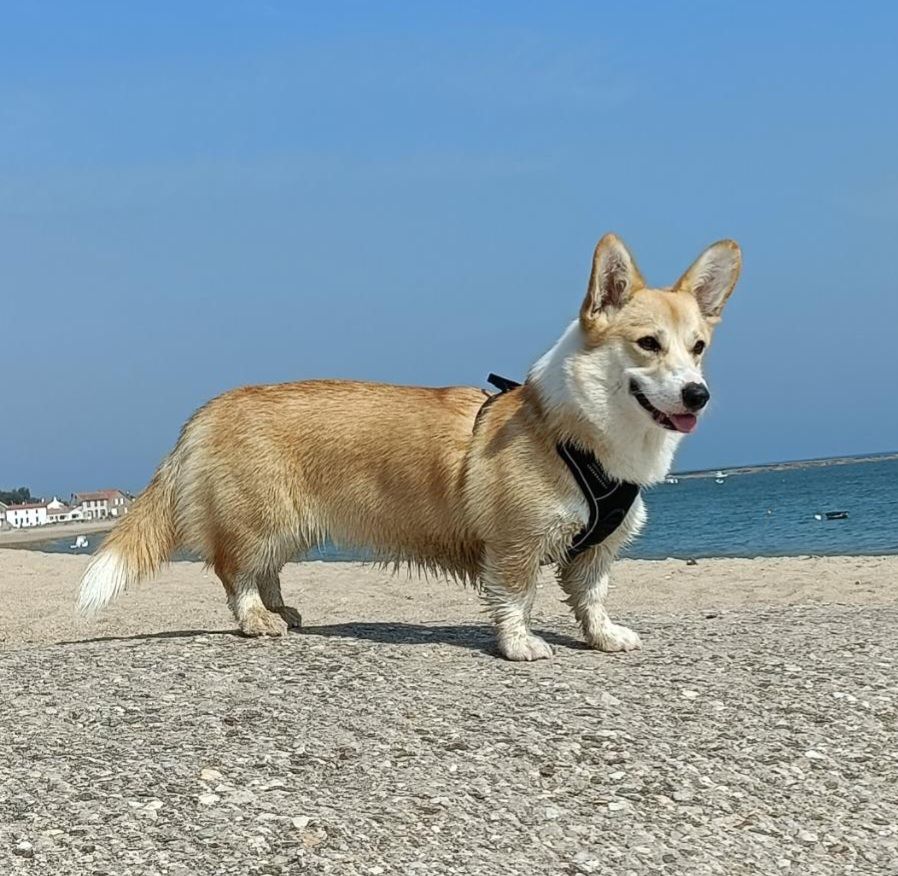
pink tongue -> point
(683, 422)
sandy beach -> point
(755, 733)
(37, 594)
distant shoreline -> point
(57, 532)
(52, 531)
(822, 462)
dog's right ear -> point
(614, 279)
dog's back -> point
(263, 473)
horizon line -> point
(877, 454)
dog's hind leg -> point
(508, 587)
(585, 581)
(270, 591)
(245, 601)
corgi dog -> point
(436, 478)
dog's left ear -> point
(614, 279)
(712, 277)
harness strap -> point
(503, 384)
(608, 499)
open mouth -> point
(675, 422)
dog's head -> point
(631, 365)
(651, 342)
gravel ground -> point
(744, 739)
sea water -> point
(772, 513)
(763, 513)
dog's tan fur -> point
(430, 477)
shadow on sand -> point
(475, 637)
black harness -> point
(609, 500)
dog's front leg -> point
(508, 581)
(585, 580)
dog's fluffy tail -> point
(136, 547)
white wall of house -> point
(24, 517)
(102, 504)
(95, 509)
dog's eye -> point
(699, 348)
(650, 343)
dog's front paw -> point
(614, 637)
(524, 646)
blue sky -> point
(198, 196)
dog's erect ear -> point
(712, 277)
(614, 279)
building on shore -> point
(59, 512)
(102, 504)
(27, 514)
(99, 505)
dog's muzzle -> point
(683, 423)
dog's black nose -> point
(695, 396)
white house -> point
(59, 512)
(98, 505)
(101, 504)
(28, 514)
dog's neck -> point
(582, 401)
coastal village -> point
(96, 505)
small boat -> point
(836, 515)
(80, 542)
(720, 480)
(721, 475)
(671, 480)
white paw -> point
(262, 623)
(614, 637)
(524, 646)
